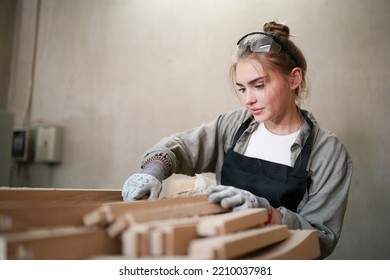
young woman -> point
(270, 153)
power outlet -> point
(48, 144)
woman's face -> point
(267, 95)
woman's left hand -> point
(236, 199)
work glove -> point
(147, 183)
(236, 199)
(140, 185)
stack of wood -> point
(97, 224)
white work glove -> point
(147, 183)
(140, 185)
(236, 199)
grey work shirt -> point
(323, 206)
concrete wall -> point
(118, 75)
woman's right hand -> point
(139, 185)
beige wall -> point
(119, 75)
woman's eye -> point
(259, 86)
(241, 90)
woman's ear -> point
(296, 78)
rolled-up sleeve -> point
(197, 150)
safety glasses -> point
(262, 42)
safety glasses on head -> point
(262, 42)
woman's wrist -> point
(274, 217)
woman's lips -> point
(256, 111)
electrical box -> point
(6, 128)
(22, 144)
(48, 144)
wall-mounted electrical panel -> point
(6, 127)
(22, 144)
(48, 144)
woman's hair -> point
(282, 60)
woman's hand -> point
(140, 185)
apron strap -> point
(241, 130)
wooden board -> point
(52, 196)
(237, 245)
(107, 213)
(73, 243)
(232, 222)
(14, 219)
(300, 245)
(180, 210)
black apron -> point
(280, 184)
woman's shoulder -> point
(327, 143)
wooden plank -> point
(300, 245)
(70, 243)
(106, 214)
(237, 245)
(232, 222)
(180, 210)
(27, 196)
(14, 219)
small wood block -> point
(237, 245)
(135, 242)
(300, 245)
(68, 243)
(232, 222)
(172, 239)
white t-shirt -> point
(265, 145)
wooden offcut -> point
(19, 218)
(68, 243)
(160, 237)
(299, 245)
(232, 222)
(187, 208)
(106, 214)
(237, 245)
(52, 196)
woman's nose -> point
(249, 98)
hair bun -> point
(277, 29)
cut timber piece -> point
(21, 218)
(172, 239)
(39, 196)
(71, 243)
(300, 245)
(232, 222)
(172, 211)
(135, 241)
(158, 237)
(107, 213)
(236, 245)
